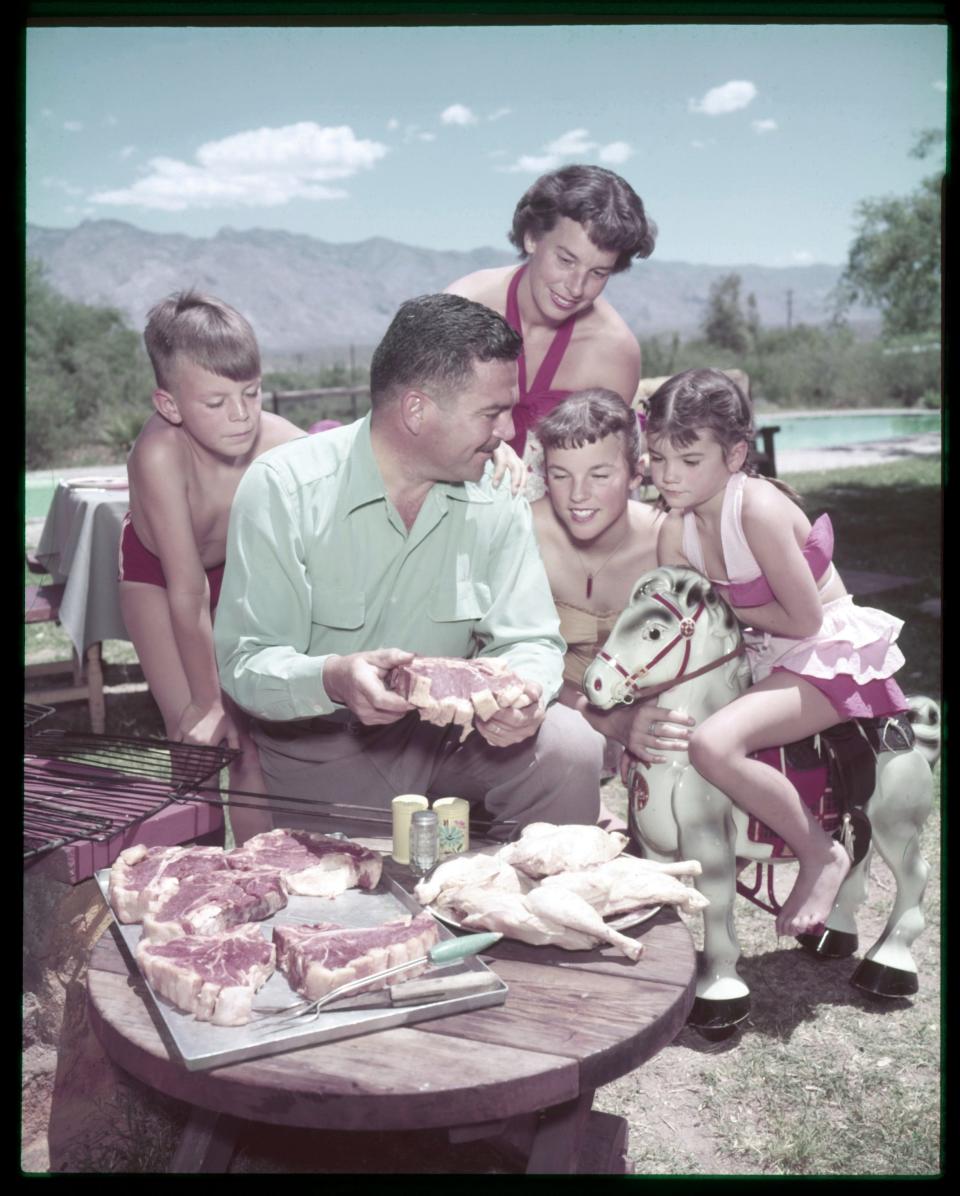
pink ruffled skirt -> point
(851, 659)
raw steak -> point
(447, 689)
(318, 958)
(310, 864)
(215, 901)
(144, 875)
(212, 977)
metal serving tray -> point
(201, 1045)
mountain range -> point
(303, 294)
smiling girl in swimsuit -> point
(595, 543)
(575, 227)
(816, 659)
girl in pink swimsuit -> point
(816, 659)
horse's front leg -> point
(897, 810)
(706, 833)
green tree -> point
(724, 324)
(85, 370)
(894, 261)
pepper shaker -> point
(454, 817)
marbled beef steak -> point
(142, 878)
(316, 959)
(309, 864)
(447, 689)
(214, 977)
(214, 901)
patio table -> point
(524, 1072)
(79, 545)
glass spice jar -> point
(424, 841)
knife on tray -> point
(418, 992)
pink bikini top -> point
(747, 585)
(539, 400)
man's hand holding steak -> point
(513, 724)
(357, 682)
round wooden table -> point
(525, 1071)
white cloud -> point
(458, 114)
(615, 154)
(499, 114)
(61, 185)
(764, 126)
(729, 97)
(128, 151)
(802, 257)
(575, 143)
(393, 124)
(257, 168)
(427, 136)
(110, 120)
(73, 126)
(939, 85)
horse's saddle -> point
(850, 751)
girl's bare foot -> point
(814, 892)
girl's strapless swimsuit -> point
(851, 659)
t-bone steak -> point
(214, 902)
(447, 689)
(214, 977)
(309, 864)
(318, 958)
(144, 876)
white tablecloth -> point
(79, 546)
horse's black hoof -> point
(717, 1019)
(717, 1033)
(829, 944)
(879, 980)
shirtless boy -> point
(183, 470)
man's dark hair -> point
(606, 205)
(435, 341)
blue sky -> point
(747, 143)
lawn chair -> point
(42, 605)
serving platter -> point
(200, 1045)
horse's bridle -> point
(687, 626)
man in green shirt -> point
(352, 550)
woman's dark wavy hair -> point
(695, 400)
(605, 204)
(587, 416)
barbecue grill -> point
(94, 795)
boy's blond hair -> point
(206, 331)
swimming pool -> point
(800, 430)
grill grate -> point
(80, 786)
(32, 713)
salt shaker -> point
(424, 836)
(404, 807)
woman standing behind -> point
(595, 543)
(575, 226)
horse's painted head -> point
(668, 629)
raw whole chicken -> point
(628, 883)
(544, 849)
(555, 885)
(489, 909)
(568, 909)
